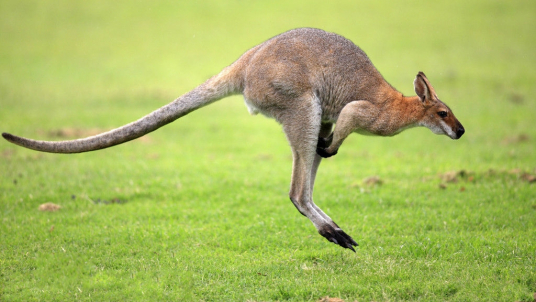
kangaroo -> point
(307, 80)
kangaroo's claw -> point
(347, 237)
(338, 236)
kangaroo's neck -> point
(401, 111)
(410, 108)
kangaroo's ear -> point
(423, 88)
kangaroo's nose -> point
(460, 131)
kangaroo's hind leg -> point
(302, 134)
(325, 135)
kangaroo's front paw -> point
(322, 143)
(338, 236)
(324, 153)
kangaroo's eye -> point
(442, 113)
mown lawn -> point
(199, 210)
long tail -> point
(215, 88)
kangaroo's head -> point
(437, 115)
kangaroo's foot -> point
(338, 236)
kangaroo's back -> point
(312, 60)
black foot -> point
(322, 152)
(322, 143)
(338, 236)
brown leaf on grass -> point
(442, 186)
(49, 207)
(373, 181)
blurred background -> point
(213, 185)
(113, 61)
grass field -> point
(199, 210)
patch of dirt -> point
(515, 171)
(7, 154)
(328, 299)
(525, 176)
(373, 181)
(49, 207)
(528, 177)
(516, 139)
(451, 176)
(516, 98)
(454, 176)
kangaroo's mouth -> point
(453, 133)
(456, 135)
(460, 130)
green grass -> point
(204, 212)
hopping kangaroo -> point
(307, 80)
